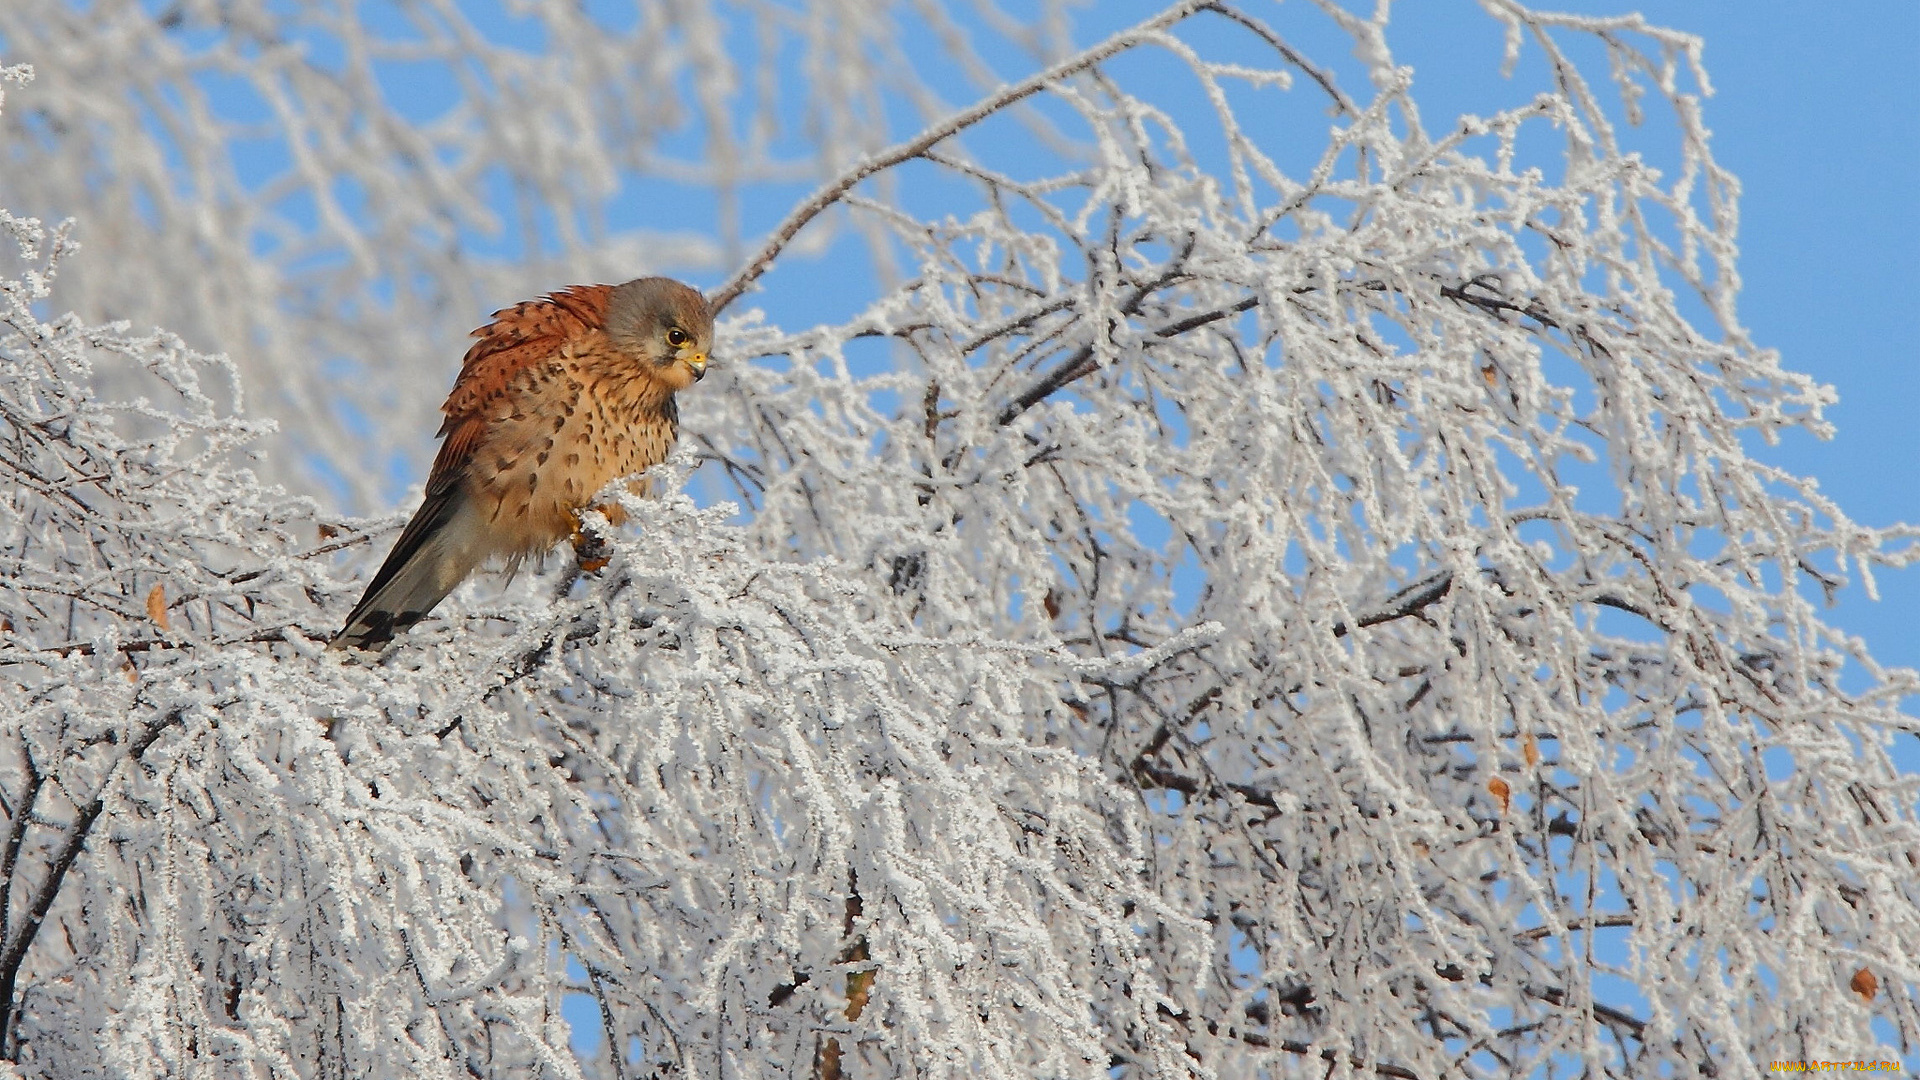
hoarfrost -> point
(1257, 620)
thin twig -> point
(616, 1052)
(926, 140)
(1409, 601)
(1291, 1046)
(140, 645)
(1083, 362)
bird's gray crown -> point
(641, 311)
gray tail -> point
(429, 560)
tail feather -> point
(435, 552)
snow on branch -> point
(1237, 598)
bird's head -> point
(663, 324)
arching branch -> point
(938, 133)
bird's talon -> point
(590, 552)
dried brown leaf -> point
(157, 606)
(1502, 792)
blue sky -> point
(1817, 111)
(1818, 114)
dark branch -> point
(1291, 1046)
(1081, 363)
(16, 835)
(21, 940)
(140, 645)
(1553, 995)
(1408, 601)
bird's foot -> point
(592, 552)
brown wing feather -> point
(517, 338)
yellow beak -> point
(696, 361)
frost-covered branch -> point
(918, 146)
(1236, 598)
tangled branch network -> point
(1238, 598)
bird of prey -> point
(558, 397)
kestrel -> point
(557, 398)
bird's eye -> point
(677, 337)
